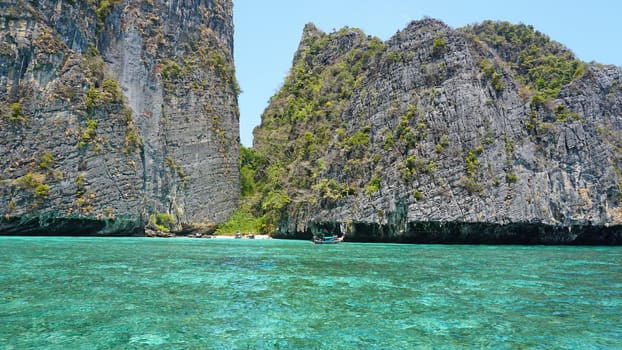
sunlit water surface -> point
(131, 293)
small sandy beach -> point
(243, 237)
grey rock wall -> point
(111, 116)
(483, 165)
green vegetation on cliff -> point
(162, 222)
(103, 11)
(541, 64)
(302, 120)
(249, 218)
(34, 183)
(14, 113)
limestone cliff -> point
(116, 114)
(491, 133)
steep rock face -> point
(487, 134)
(116, 115)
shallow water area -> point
(134, 293)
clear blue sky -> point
(267, 32)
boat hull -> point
(327, 241)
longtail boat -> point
(328, 239)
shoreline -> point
(242, 237)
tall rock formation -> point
(491, 133)
(116, 114)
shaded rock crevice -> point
(455, 232)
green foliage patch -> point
(103, 11)
(35, 184)
(242, 221)
(171, 70)
(491, 73)
(540, 63)
(472, 169)
(510, 176)
(88, 135)
(418, 195)
(15, 114)
(162, 221)
(373, 186)
(251, 166)
(438, 47)
(176, 169)
(563, 115)
(46, 161)
(472, 163)
(133, 140)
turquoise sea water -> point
(132, 293)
